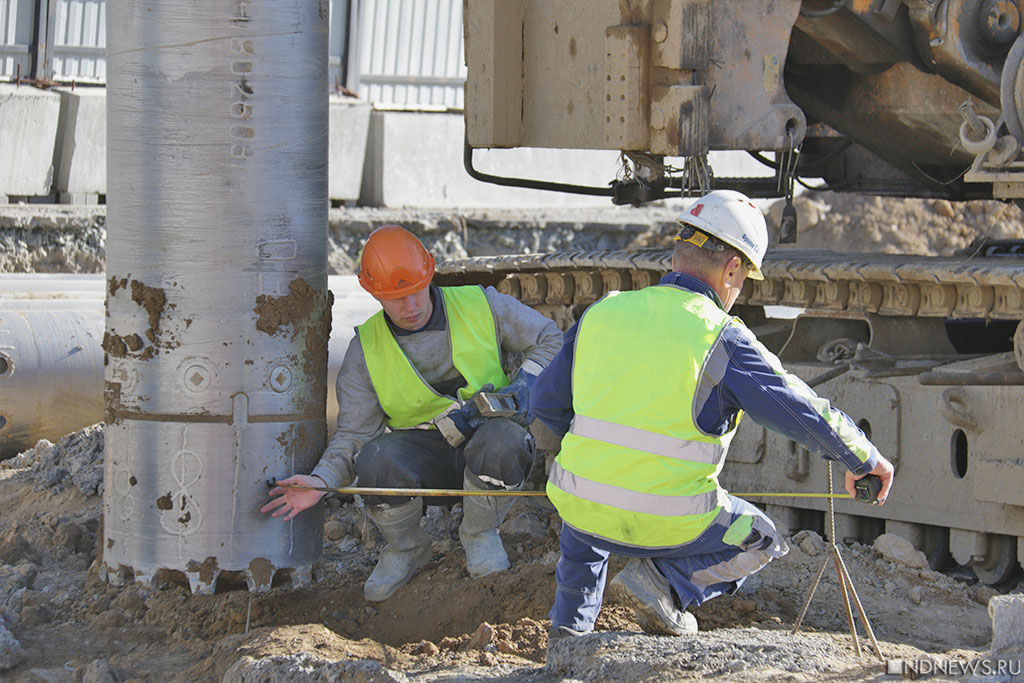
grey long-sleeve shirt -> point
(523, 335)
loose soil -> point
(442, 625)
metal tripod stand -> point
(845, 583)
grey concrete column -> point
(218, 313)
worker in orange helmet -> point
(405, 418)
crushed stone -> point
(307, 668)
(11, 652)
(626, 657)
(76, 459)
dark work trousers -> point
(699, 570)
(499, 451)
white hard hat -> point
(731, 217)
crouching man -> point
(648, 389)
(412, 367)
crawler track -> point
(885, 284)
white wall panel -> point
(79, 41)
(16, 24)
(409, 53)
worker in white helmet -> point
(647, 390)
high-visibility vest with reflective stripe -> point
(403, 394)
(634, 467)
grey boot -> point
(478, 532)
(407, 550)
(641, 586)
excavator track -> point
(961, 286)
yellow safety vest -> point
(634, 467)
(403, 394)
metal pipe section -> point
(218, 313)
(53, 397)
(51, 369)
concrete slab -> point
(80, 157)
(28, 132)
(415, 159)
(349, 122)
(1007, 612)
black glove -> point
(457, 426)
(520, 389)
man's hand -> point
(457, 426)
(291, 501)
(884, 470)
(520, 389)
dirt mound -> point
(885, 225)
(62, 621)
(936, 227)
(52, 239)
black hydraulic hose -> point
(752, 187)
(808, 165)
(530, 184)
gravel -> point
(619, 657)
(77, 459)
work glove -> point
(520, 390)
(459, 424)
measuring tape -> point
(867, 491)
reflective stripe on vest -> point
(631, 437)
(648, 504)
(635, 468)
(404, 395)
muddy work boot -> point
(407, 550)
(478, 532)
(641, 586)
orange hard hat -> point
(394, 263)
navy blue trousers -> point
(699, 570)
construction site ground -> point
(60, 621)
(442, 625)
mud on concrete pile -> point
(62, 622)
